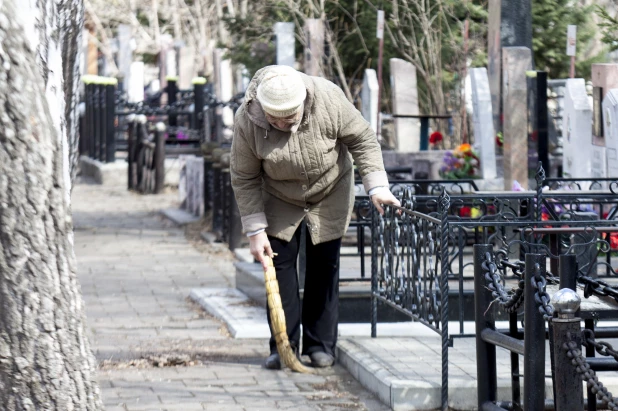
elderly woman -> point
(290, 162)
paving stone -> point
(224, 407)
(136, 271)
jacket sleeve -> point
(356, 133)
(246, 174)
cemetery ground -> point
(155, 348)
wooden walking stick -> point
(277, 319)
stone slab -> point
(610, 120)
(179, 217)
(404, 97)
(581, 157)
(246, 319)
(314, 47)
(484, 132)
(516, 61)
(604, 75)
(370, 98)
(405, 372)
(509, 24)
(286, 43)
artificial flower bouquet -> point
(461, 163)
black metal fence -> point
(97, 125)
(563, 314)
(146, 156)
(419, 248)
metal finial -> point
(566, 302)
(540, 173)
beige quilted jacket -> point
(280, 178)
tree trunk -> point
(71, 25)
(45, 358)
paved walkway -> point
(159, 351)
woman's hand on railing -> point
(260, 246)
(384, 197)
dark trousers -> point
(320, 308)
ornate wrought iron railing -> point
(409, 266)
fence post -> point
(86, 134)
(159, 157)
(487, 379)
(217, 220)
(81, 130)
(207, 149)
(374, 271)
(172, 91)
(568, 391)
(131, 132)
(534, 339)
(199, 101)
(96, 119)
(444, 202)
(102, 120)
(110, 110)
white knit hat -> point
(282, 91)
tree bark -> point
(71, 25)
(45, 358)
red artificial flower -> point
(435, 137)
(613, 241)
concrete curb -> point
(245, 319)
(107, 174)
(179, 217)
(401, 392)
(233, 307)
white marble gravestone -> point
(370, 99)
(286, 44)
(171, 61)
(606, 77)
(405, 101)
(135, 88)
(224, 85)
(610, 120)
(484, 133)
(581, 158)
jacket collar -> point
(254, 109)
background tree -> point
(609, 28)
(45, 358)
(550, 19)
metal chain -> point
(602, 347)
(519, 267)
(540, 296)
(509, 301)
(597, 287)
(588, 375)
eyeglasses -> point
(287, 120)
